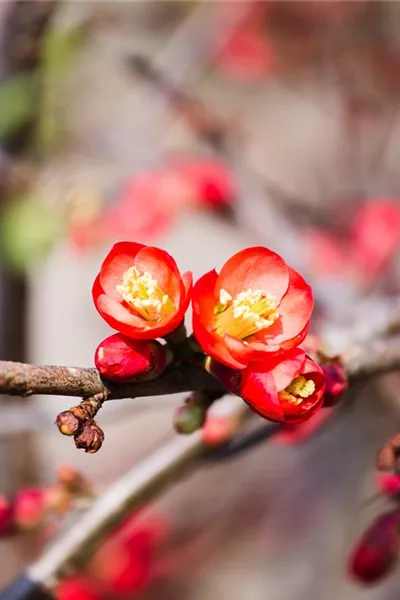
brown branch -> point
(20, 379)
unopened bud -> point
(378, 549)
(189, 418)
(122, 359)
(389, 484)
(7, 523)
(192, 415)
(336, 382)
(91, 438)
(68, 423)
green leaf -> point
(28, 230)
(18, 97)
(60, 48)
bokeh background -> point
(203, 127)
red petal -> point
(288, 368)
(211, 344)
(203, 303)
(119, 317)
(119, 259)
(259, 391)
(187, 283)
(295, 312)
(161, 267)
(254, 268)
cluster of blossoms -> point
(249, 321)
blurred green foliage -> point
(60, 48)
(28, 229)
(17, 103)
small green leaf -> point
(18, 102)
(28, 230)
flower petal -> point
(288, 367)
(118, 260)
(203, 303)
(255, 268)
(259, 391)
(295, 311)
(161, 267)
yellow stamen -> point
(297, 391)
(144, 295)
(246, 314)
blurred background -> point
(202, 127)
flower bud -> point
(336, 382)
(389, 484)
(123, 359)
(189, 418)
(68, 423)
(376, 553)
(76, 589)
(7, 523)
(91, 438)
(29, 508)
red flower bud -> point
(257, 306)
(376, 553)
(29, 508)
(122, 359)
(76, 589)
(336, 382)
(140, 291)
(7, 524)
(389, 483)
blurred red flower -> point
(376, 553)
(256, 306)
(140, 291)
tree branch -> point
(20, 379)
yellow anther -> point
(249, 312)
(144, 295)
(297, 391)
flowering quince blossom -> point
(377, 552)
(286, 388)
(140, 291)
(122, 359)
(256, 306)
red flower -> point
(76, 589)
(29, 507)
(257, 305)
(122, 359)
(287, 389)
(140, 292)
(376, 236)
(377, 551)
(290, 391)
